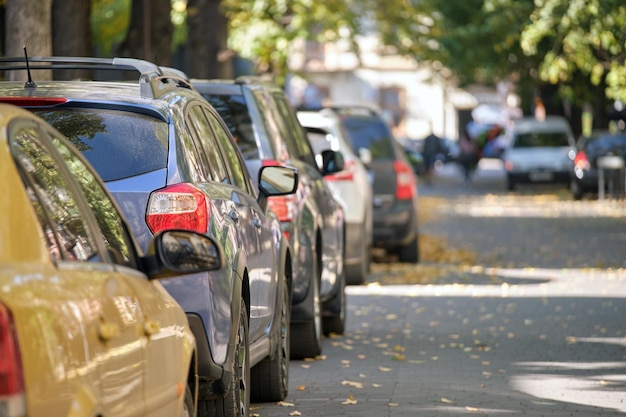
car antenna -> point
(30, 83)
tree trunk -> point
(150, 32)
(207, 27)
(71, 33)
(28, 24)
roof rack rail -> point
(153, 79)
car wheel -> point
(334, 317)
(306, 337)
(270, 377)
(410, 253)
(510, 184)
(236, 402)
(577, 192)
(188, 404)
(357, 274)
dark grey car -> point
(268, 132)
(170, 162)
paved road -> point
(547, 340)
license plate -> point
(540, 176)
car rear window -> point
(541, 139)
(117, 144)
(371, 134)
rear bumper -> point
(539, 177)
(395, 226)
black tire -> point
(510, 184)
(357, 274)
(270, 377)
(334, 317)
(576, 190)
(236, 401)
(306, 337)
(188, 404)
(410, 253)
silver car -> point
(539, 151)
(350, 186)
(170, 162)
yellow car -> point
(85, 327)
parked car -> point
(267, 131)
(85, 323)
(395, 226)
(539, 151)
(589, 151)
(350, 186)
(170, 162)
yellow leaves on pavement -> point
(350, 401)
(353, 384)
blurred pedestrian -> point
(432, 148)
(468, 156)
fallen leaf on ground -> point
(383, 369)
(285, 404)
(350, 401)
(352, 384)
(445, 401)
(295, 413)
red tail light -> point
(581, 160)
(347, 174)
(11, 373)
(405, 181)
(33, 101)
(180, 206)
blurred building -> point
(417, 98)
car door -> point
(143, 305)
(262, 254)
(236, 204)
(112, 341)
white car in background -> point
(351, 187)
(539, 151)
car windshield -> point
(369, 134)
(114, 142)
(541, 139)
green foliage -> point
(109, 23)
(580, 36)
(263, 30)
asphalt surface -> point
(545, 338)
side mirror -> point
(277, 180)
(179, 252)
(365, 155)
(332, 161)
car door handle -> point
(108, 331)
(256, 220)
(234, 215)
(151, 327)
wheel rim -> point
(242, 368)
(284, 334)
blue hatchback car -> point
(170, 162)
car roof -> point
(551, 123)
(87, 92)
